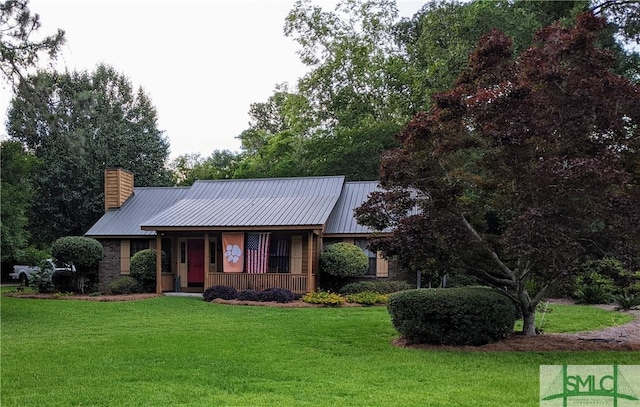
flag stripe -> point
(257, 251)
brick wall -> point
(109, 267)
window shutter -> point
(382, 266)
(296, 255)
(125, 256)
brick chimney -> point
(118, 186)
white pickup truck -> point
(24, 273)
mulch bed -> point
(292, 304)
(541, 343)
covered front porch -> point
(198, 260)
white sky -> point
(202, 63)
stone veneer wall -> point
(109, 267)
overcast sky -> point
(202, 63)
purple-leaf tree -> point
(521, 170)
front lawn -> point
(172, 351)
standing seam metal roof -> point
(253, 202)
(342, 219)
(126, 220)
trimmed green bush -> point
(324, 298)
(452, 316)
(376, 286)
(367, 298)
(343, 260)
(83, 252)
(123, 285)
(143, 269)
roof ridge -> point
(271, 179)
(176, 187)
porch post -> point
(311, 287)
(158, 263)
(207, 256)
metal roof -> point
(145, 202)
(342, 219)
(253, 202)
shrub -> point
(32, 256)
(41, 279)
(452, 316)
(220, 291)
(281, 295)
(323, 297)
(82, 252)
(367, 298)
(627, 301)
(376, 286)
(249, 295)
(343, 260)
(143, 269)
(594, 288)
(609, 272)
(64, 280)
(123, 285)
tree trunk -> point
(529, 322)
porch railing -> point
(297, 283)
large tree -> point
(19, 51)
(522, 167)
(188, 168)
(79, 124)
(16, 191)
(370, 71)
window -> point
(212, 252)
(138, 245)
(183, 252)
(279, 255)
(362, 243)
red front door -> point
(195, 269)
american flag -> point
(257, 252)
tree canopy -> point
(16, 192)
(79, 124)
(19, 52)
(524, 167)
(370, 71)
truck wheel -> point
(24, 281)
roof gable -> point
(126, 220)
(342, 219)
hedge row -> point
(452, 316)
(281, 295)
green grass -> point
(171, 351)
(577, 318)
